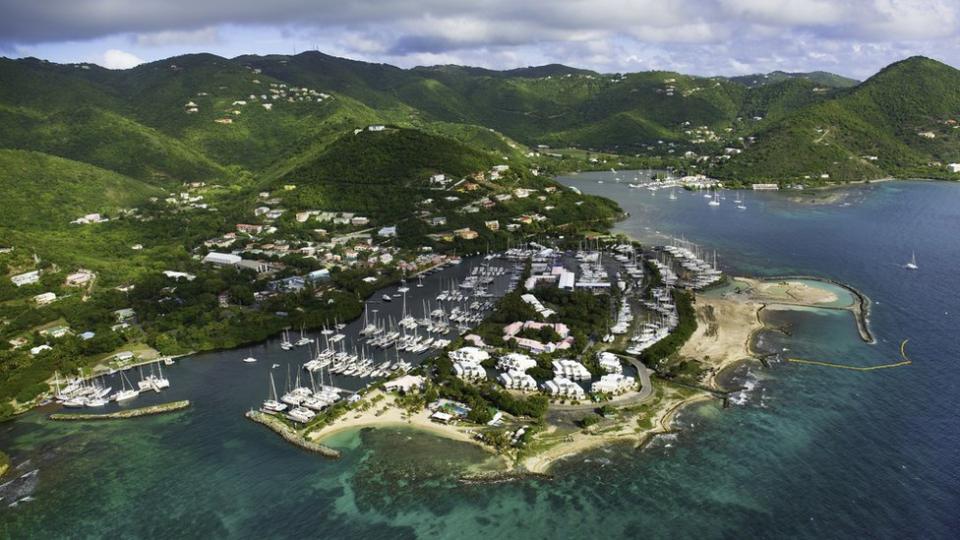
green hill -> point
(38, 191)
(380, 173)
(822, 78)
(898, 123)
(203, 117)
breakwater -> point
(120, 415)
(291, 435)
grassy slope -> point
(38, 190)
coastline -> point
(727, 326)
(386, 413)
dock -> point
(120, 415)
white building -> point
(570, 369)
(222, 259)
(517, 380)
(406, 384)
(28, 278)
(613, 383)
(39, 349)
(466, 363)
(516, 362)
(44, 299)
(609, 362)
(177, 276)
(953, 167)
(469, 372)
(387, 232)
(562, 387)
(470, 355)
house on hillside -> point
(222, 259)
(27, 278)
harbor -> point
(401, 326)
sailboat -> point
(912, 265)
(125, 393)
(304, 340)
(673, 195)
(250, 359)
(716, 200)
(272, 404)
(739, 202)
(285, 344)
(159, 380)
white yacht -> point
(912, 265)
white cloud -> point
(117, 59)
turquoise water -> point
(807, 452)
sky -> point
(705, 37)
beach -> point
(385, 413)
(725, 328)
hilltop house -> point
(44, 298)
(28, 278)
(79, 278)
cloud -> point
(615, 35)
(117, 59)
(201, 36)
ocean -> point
(804, 451)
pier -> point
(120, 415)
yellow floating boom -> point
(905, 362)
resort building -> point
(511, 330)
(516, 362)
(561, 387)
(472, 355)
(613, 383)
(517, 380)
(466, 363)
(609, 362)
(571, 369)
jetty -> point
(291, 435)
(120, 415)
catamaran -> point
(912, 265)
(272, 404)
